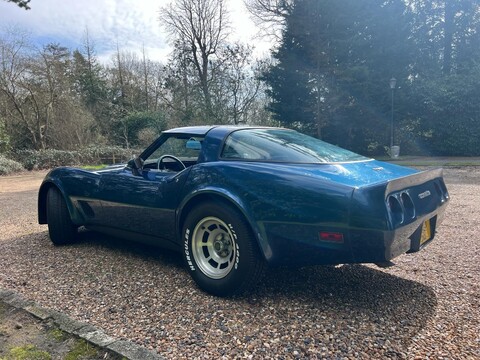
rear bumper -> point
(299, 244)
(379, 246)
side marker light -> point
(331, 236)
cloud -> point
(132, 23)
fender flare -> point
(233, 200)
(42, 201)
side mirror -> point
(136, 164)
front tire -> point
(220, 251)
(60, 227)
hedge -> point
(51, 158)
(8, 166)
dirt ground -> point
(27, 338)
(18, 196)
(426, 307)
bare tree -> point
(155, 84)
(202, 25)
(146, 73)
(120, 76)
(181, 93)
(39, 107)
(242, 82)
(15, 50)
(269, 15)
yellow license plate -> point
(426, 232)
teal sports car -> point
(233, 200)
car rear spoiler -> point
(412, 180)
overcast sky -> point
(130, 22)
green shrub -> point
(4, 138)
(46, 159)
(51, 158)
(8, 166)
(94, 155)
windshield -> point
(282, 145)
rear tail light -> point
(408, 206)
(402, 207)
(396, 209)
(331, 236)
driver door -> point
(145, 202)
(141, 204)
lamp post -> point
(393, 84)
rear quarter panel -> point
(284, 205)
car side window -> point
(280, 145)
(237, 147)
(186, 149)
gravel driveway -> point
(425, 307)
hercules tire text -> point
(220, 250)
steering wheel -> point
(161, 166)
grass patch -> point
(27, 352)
(57, 334)
(434, 163)
(81, 350)
(460, 164)
(94, 167)
(400, 158)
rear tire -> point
(220, 250)
(60, 227)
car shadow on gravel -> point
(356, 301)
(145, 251)
(108, 279)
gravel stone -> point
(425, 307)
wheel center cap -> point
(218, 246)
(222, 246)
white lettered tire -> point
(219, 249)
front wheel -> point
(220, 251)
(60, 227)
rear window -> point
(283, 145)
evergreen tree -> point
(333, 67)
